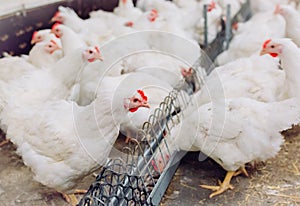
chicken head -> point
(211, 6)
(153, 15)
(58, 17)
(52, 46)
(137, 101)
(36, 37)
(91, 54)
(271, 48)
(57, 30)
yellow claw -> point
(225, 185)
(71, 198)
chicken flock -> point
(64, 104)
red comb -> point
(235, 25)
(129, 24)
(97, 49)
(183, 71)
(56, 13)
(154, 11)
(142, 95)
(277, 9)
(266, 43)
(34, 34)
(124, 1)
(211, 6)
(55, 25)
(153, 15)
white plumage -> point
(255, 77)
(292, 18)
(234, 132)
(289, 54)
(40, 56)
(62, 142)
(38, 86)
(69, 39)
(127, 10)
(231, 143)
(248, 41)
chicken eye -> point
(50, 46)
(272, 46)
(91, 52)
(135, 100)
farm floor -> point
(276, 182)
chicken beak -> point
(99, 57)
(277, 9)
(263, 52)
(56, 19)
(32, 41)
(145, 104)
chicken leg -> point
(225, 185)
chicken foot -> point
(128, 139)
(71, 198)
(4, 142)
(225, 185)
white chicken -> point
(44, 85)
(248, 41)
(62, 142)
(214, 13)
(235, 6)
(127, 10)
(190, 14)
(43, 54)
(86, 28)
(262, 6)
(162, 6)
(292, 19)
(234, 132)
(148, 20)
(164, 67)
(156, 91)
(40, 56)
(47, 35)
(117, 25)
(289, 54)
(69, 39)
(44, 35)
(254, 77)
